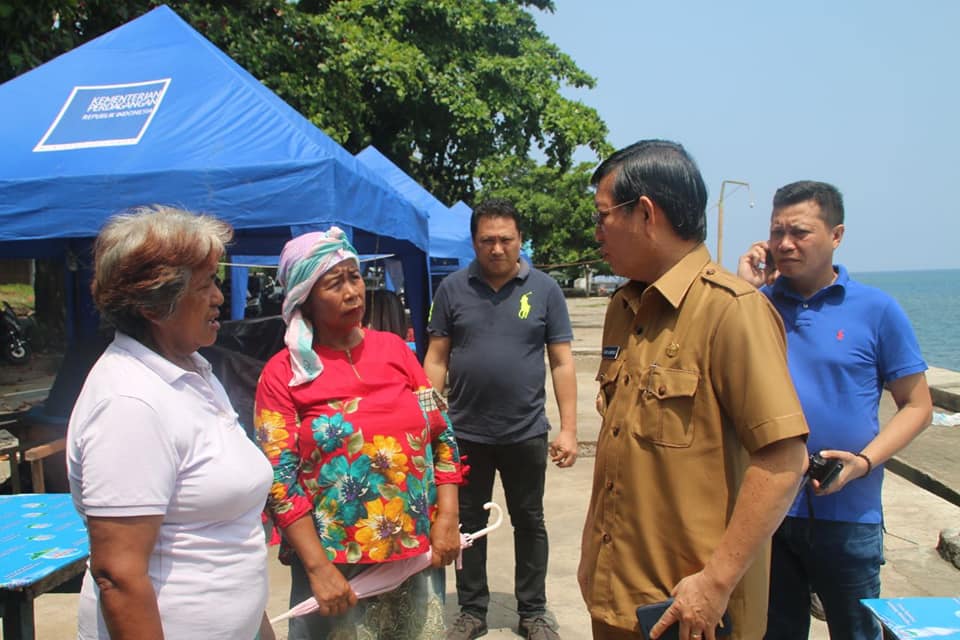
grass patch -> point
(20, 296)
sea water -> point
(931, 300)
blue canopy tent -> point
(450, 245)
(454, 234)
(152, 112)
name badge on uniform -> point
(610, 353)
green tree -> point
(35, 31)
(458, 93)
(437, 85)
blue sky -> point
(861, 94)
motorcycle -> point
(16, 346)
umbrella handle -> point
(489, 506)
(283, 616)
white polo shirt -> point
(149, 438)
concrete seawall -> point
(945, 388)
(932, 460)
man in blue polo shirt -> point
(488, 328)
(846, 342)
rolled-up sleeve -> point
(750, 373)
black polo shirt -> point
(496, 369)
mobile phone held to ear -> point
(766, 265)
(649, 614)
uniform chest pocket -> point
(607, 377)
(665, 402)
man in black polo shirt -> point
(488, 328)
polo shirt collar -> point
(167, 371)
(781, 287)
(474, 272)
(674, 284)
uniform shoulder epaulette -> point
(722, 278)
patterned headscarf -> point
(302, 262)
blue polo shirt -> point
(843, 344)
(497, 338)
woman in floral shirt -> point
(359, 442)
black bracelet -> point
(869, 463)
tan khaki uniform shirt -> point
(693, 379)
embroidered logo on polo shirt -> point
(525, 305)
(839, 334)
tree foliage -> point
(455, 92)
(35, 31)
(436, 85)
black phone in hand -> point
(649, 614)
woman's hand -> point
(331, 590)
(329, 587)
(445, 539)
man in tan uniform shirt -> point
(702, 445)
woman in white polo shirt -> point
(167, 481)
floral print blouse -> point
(360, 449)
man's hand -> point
(754, 267)
(853, 467)
(563, 450)
(445, 539)
(698, 605)
(331, 590)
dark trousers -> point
(840, 561)
(522, 467)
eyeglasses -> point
(600, 215)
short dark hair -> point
(827, 197)
(664, 172)
(493, 208)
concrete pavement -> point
(914, 518)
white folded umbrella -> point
(386, 576)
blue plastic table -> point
(918, 617)
(43, 544)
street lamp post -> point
(723, 186)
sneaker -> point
(816, 607)
(537, 628)
(467, 627)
